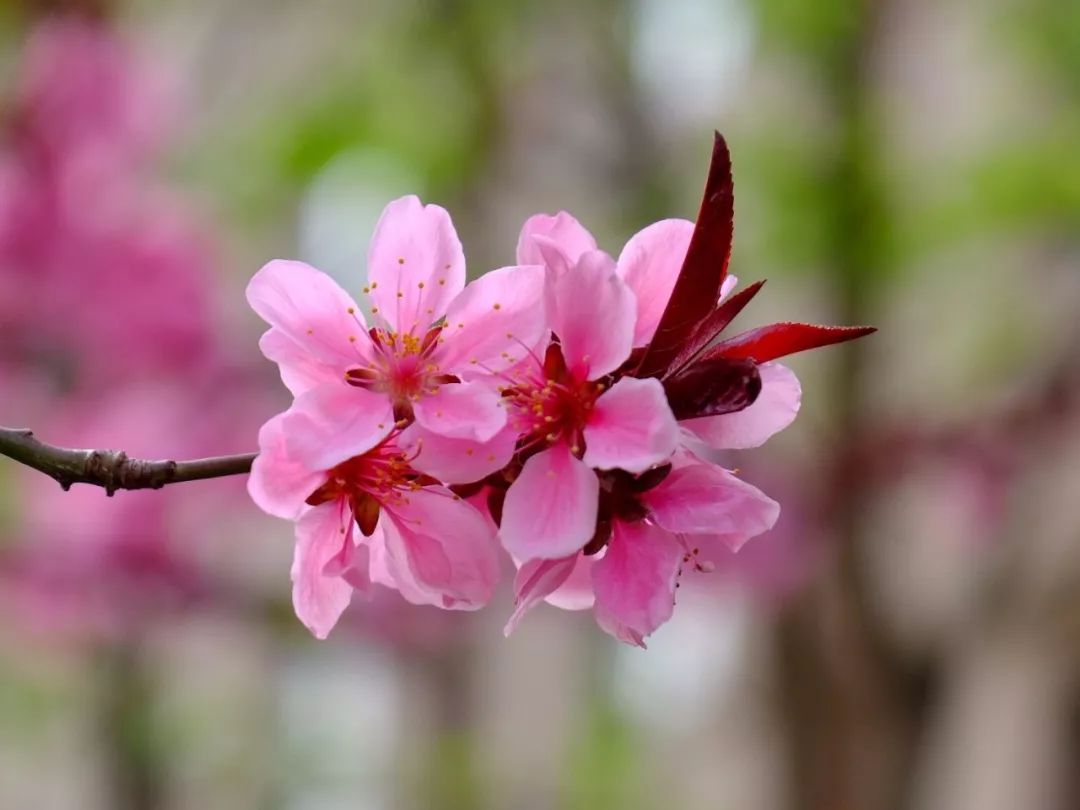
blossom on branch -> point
(579, 398)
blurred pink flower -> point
(81, 88)
(102, 275)
(107, 339)
(84, 563)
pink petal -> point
(635, 581)
(470, 410)
(650, 265)
(312, 320)
(441, 551)
(319, 600)
(576, 593)
(630, 427)
(299, 368)
(457, 461)
(415, 264)
(278, 484)
(707, 499)
(775, 408)
(536, 580)
(592, 312)
(550, 510)
(495, 321)
(562, 229)
(352, 562)
(335, 422)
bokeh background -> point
(907, 637)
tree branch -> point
(113, 469)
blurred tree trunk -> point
(853, 709)
(134, 774)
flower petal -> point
(312, 319)
(352, 562)
(457, 461)
(592, 312)
(630, 427)
(334, 422)
(415, 264)
(550, 510)
(536, 580)
(470, 410)
(635, 581)
(441, 551)
(774, 409)
(495, 321)
(562, 229)
(650, 265)
(279, 484)
(300, 370)
(576, 593)
(318, 599)
(707, 499)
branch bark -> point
(113, 469)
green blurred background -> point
(911, 636)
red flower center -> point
(401, 367)
(380, 477)
(550, 405)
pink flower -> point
(573, 417)
(646, 529)
(673, 520)
(650, 264)
(725, 393)
(435, 345)
(331, 463)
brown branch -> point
(113, 469)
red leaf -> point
(781, 339)
(710, 328)
(703, 270)
(712, 387)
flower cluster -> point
(565, 409)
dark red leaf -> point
(712, 387)
(781, 339)
(703, 270)
(710, 328)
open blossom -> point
(434, 343)
(676, 519)
(769, 393)
(572, 420)
(363, 514)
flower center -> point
(380, 477)
(401, 367)
(549, 405)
